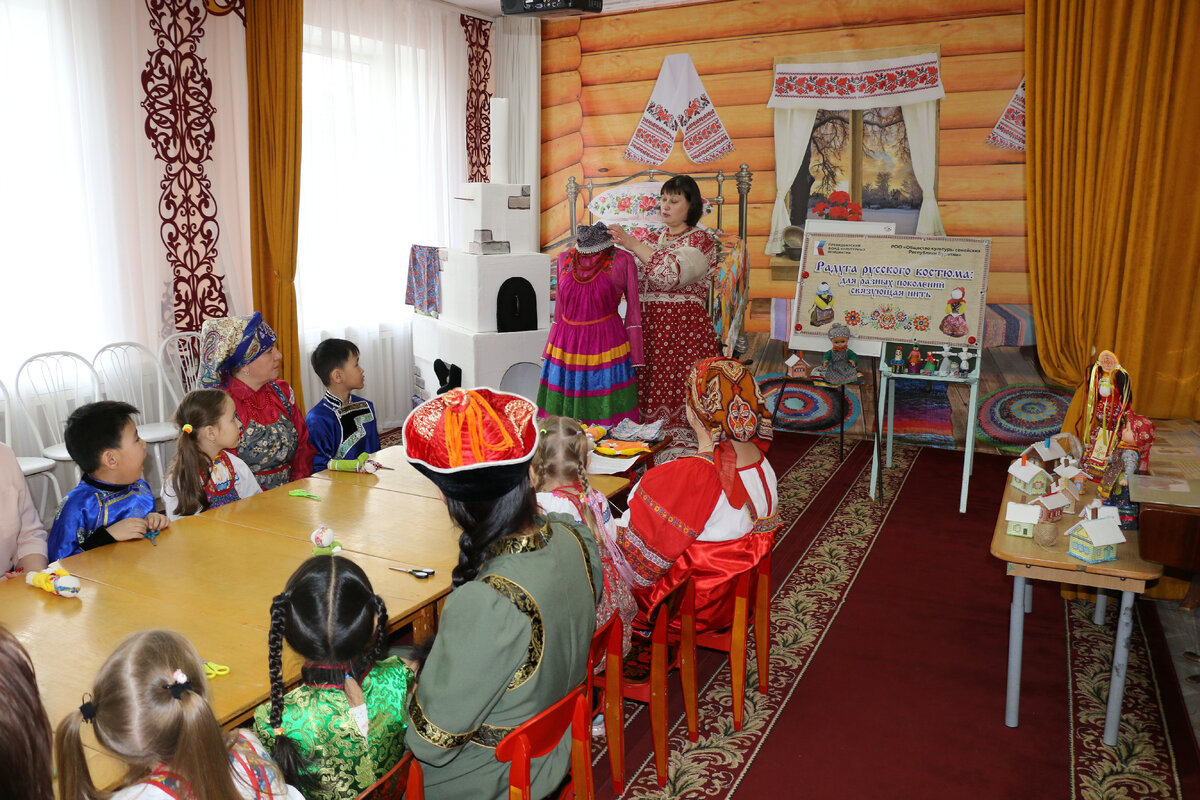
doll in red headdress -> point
(1109, 396)
(728, 488)
(955, 322)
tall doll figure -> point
(1109, 396)
(588, 366)
(955, 323)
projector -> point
(551, 8)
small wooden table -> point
(1026, 560)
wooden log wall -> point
(598, 72)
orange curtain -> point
(274, 46)
(1112, 172)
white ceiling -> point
(491, 8)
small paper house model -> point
(1029, 478)
(1053, 506)
(1021, 517)
(1095, 540)
(1072, 492)
(1045, 452)
(797, 367)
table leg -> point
(841, 427)
(1016, 635)
(969, 447)
(1028, 597)
(1116, 686)
(1101, 606)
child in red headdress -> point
(712, 514)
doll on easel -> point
(1109, 396)
(840, 365)
(822, 308)
(955, 322)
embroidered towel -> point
(424, 290)
(678, 101)
(1009, 132)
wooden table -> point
(1026, 560)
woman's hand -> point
(622, 237)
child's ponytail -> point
(562, 459)
(190, 467)
(292, 764)
(74, 778)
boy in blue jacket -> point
(112, 503)
(341, 425)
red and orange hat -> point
(475, 444)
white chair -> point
(129, 372)
(49, 387)
(31, 466)
(179, 363)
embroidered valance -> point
(858, 84)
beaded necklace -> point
(584, 274)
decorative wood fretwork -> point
(179, 126)
(479, 70)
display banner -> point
(926, 289)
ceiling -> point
(491, 8)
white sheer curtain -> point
(384, 152)
(81, 260)
(793, 128)
(517, 71)
(921, 120)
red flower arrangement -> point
(839, 207)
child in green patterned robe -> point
(343, 727)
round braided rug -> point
(808, 408)
(1016, 416)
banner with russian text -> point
(926, 289)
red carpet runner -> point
(904, 695)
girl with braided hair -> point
(318, 732)
(149, 708)
(514, 632)
(560, 478)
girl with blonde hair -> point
(149, 707)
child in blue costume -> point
(112, 503)
(341, 425)
(318, 732)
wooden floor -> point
(1002, 366)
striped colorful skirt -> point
(587, 372)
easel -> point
(887, 404)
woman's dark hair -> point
(190, 467)
(485, 521)
(686, 187)
(25, 758)
(330, 615)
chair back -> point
(52, 385)
(606, 648)
(541, 734)
(678, 604)
(6, 410)
(403, 780)
(179, 362)
(129, 372)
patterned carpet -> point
(877, 683)
(1016, 416)
(806, 407)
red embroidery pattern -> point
(1009, 132)
(868, 84)
(479, 69)
(179, 113)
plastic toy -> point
(326, 545)
(616, 447)
(55, 580)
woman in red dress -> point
(673, 280)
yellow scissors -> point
(212, 670)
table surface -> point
(1020, 550)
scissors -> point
(212, 670)
(304, 493)
(420, 573)
(152, 536)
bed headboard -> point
(705, 180)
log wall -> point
(598, 72)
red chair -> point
(541, 734)
(644, 670)
(606, 647)
(402, 781)
(733, 639)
